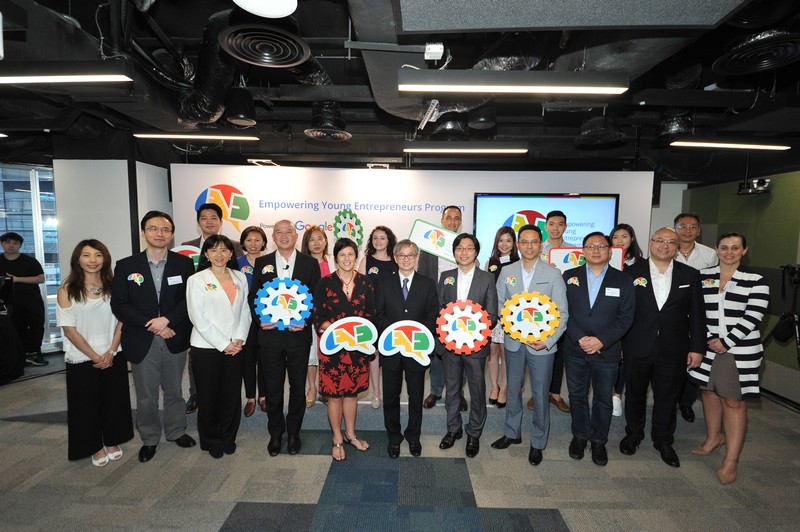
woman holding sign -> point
(343, 374)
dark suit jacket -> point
(237, 248)
(306, 270)
(428, 265)
(134, 304)
(422, 305)
(482, 291)
(675, 330)
(608, 320)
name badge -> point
(175, 279)
(612, 292)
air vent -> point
(327, 123)
(766, 51)
(599, 131)
(264, 46)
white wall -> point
(670, 204)
(152, 190)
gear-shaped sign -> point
(530, 317)
(285, 302)
(347, 225)
(464, 327)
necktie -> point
(405, 288)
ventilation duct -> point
(327, 123)
(452, 126)
(599, 131)
(767, 50)
(675, 122)
(239, 108)
(264, 46)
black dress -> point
(378, 270)
(343, 374)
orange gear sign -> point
(464, 327)
(530, 317)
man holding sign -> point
(401, 297)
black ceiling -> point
(724, 67)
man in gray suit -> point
(467, 282)
(530, 275)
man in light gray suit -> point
(530, 275)
(467, 282)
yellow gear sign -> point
(530, 317)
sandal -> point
(114, 455)
(352, 441)
(100, 462)
(337, 453)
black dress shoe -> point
(462, 404)
(599, 454)
(492, 401)
(147, 452)
(504, 442)
(294, 444)
(577, 448)
(430, 401)
(215, 451)
(184, 441)
(628, 445)
(668, 455)
(394, 450)
(415, 448)
(500, 405)
(450, 439)
(191, 405)
(274, 445)
(687, 413)
(473, 446)
(535, 456)
(229, 448)
(249, 409)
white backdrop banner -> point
(254, 195)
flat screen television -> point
(585, 213)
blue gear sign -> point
(285, 302)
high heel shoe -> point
(701, 451)
(492, 401)
(115, 455)
(100, 462)
(726, 478)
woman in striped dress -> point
(735, 303)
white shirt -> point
(700, 258)
(464, 282)
(527, 277)
(662, 282)
(285, 267)
(93, 320)
(410, 279)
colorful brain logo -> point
(530, 314)
(234, 205)
(408, 338)
(350, 229)
(436, 237)
(285, 301)
(464, 324)
(575, 258)
(518, 219)
(193, 252)
(349, 334)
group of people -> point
(659, 315)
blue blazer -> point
(608, 320)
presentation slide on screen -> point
(326, 197)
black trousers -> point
(392, 376)
(28, 318)
(667, 377)
(278, 364)
(252, 372)
(98, 407)
(219, 396)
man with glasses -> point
(404, 296)
(601, 307)
(667, 336)
(530, 274)
(698, 256)
(150, 301)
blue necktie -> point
(405, 288)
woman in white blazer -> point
(216, 299)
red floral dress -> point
(344, 373)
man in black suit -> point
(405, 296)
(668, 335)
(284, 353)
(467, 282)
(150, 301)
(601, 307)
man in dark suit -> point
(432, 267)
(601, 307)
(150, 301)
(668, 334)
(467, 282)
(284, 353)
(209, 220)
(405, 296)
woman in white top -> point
(98, 394)
(216, 299)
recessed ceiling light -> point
(727, 145)
(466, 148)
(177, 136)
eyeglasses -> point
(406, 256)
(528, 242)
(660, 241)
(162, 230)
(687, 226)
(592, 247)
(470, 249)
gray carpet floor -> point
(186, 489)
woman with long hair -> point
(343, 375)
(504, 252)
(253, 241)
(735, 301)
(216, 299)
(98, 394)
(378, 263)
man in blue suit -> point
(601, 310)
(530, 275)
